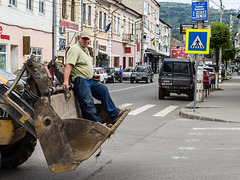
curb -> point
(187, 115)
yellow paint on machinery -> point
(9, 135)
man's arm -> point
(67, 72)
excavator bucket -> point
(52, 114)
(67, 141)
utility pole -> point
(220, 53)
(142, 43)
(95, 34)
(54, 27)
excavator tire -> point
(16, 154)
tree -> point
(220, 38)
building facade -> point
(237, 40)
(25, 28)
(152, 33)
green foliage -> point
(229, 53)
(220, 36)
(181, 13)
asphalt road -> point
(153, 142)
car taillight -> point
(159, 81)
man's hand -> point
(96, 77)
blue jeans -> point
(85, 90)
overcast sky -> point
(229, 4)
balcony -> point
(128, 37)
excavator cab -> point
(53, 116)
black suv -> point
(142, 73)
(176, 76)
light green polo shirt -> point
(81, 61)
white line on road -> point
(165, 111)
(130, 87)
(187, 148)
(125, 105)
(219, 129)
(141, 109)
(179, 157)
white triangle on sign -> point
(197, 44)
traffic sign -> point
(197, 41)
(200, 11)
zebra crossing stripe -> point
(165, 111)
(125, 105)
(141, 109)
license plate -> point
(166, 83)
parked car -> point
(113, 74)
(103, 75)
(142, 73)
(8, 78)
(127, 73)
(176, 76)
(24, 76)
(211, 72)
(206, 79)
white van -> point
(103, 75)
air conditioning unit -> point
(62, 30)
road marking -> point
(187, 148)
(131, 87)
(141, 109)
(165, 111)
(195, 134)
(179, 157)
(219, 129)
(193, 140)
(125, 105)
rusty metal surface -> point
(68, 142)
(66, 109)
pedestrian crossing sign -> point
(197, 41)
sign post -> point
(197, 42)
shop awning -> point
(150, 51)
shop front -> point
(153, 58)
(17, 43)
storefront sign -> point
(127, 49)
(178, 52)
(2, 36)
(68, 25)
(103, 48)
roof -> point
(175, 60)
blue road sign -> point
(200, 11)
(197, 41)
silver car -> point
(127, 73)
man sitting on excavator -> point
(86, 84)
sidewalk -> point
(220, 105)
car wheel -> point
(136, 81)
(131, 81)
(151, 80)
(161, 93)
(147, 80)
(113, 80)
(191, 94)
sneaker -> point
(115, 119)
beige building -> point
(151, 32)
(237, 39)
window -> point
(84, 18)
(72, 10)
(115, 23)
(116, 61)
(37, 52)
(2, 57)
(118, 26)
(89, 15)
(29, 4)
(129, 27)
(105, 20)
(41, 6)
(64, 8)
(130, 61)
(124, 26)
(12, 2)
(100, 20)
